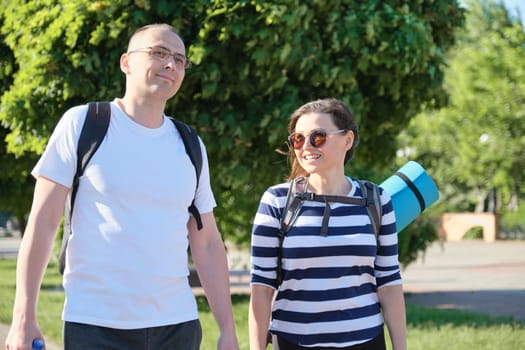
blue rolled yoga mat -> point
(412, 190)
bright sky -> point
(513, 4)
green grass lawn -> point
(428, 329)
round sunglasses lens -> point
(296, 140)
(317, 138)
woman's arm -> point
(259, 315)
(392, 303)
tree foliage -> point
(475, 146)
(254, 63)
(15, 180)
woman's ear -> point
(349, 139)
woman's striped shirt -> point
(328, 296)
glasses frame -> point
(312, 136)
(175, 55)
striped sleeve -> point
(386, 265)
(265, 241)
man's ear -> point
(124, 63)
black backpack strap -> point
(91, 136)
(294, 201)
(292, 207)
(373, 204)
(193, 149)
(325, 198)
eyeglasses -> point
(317, 137)
(162, 54)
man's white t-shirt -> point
(127, 262)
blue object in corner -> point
(412, 191)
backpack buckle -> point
(305, 196)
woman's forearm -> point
(393, 306)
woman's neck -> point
(332, 185)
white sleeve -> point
(58, 162)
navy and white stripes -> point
(329, 292)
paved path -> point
(470, 275)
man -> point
(126, 280)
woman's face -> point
(327, 151)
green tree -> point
(16, 184)
(475, 146)
(254, 63)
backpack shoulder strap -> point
(292, 207)
(91, 136)
(373, 204)
(93, 131)
(294, 202)
(193, 149)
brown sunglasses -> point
(317, 137)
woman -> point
(338, 288)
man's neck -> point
(145, 112)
